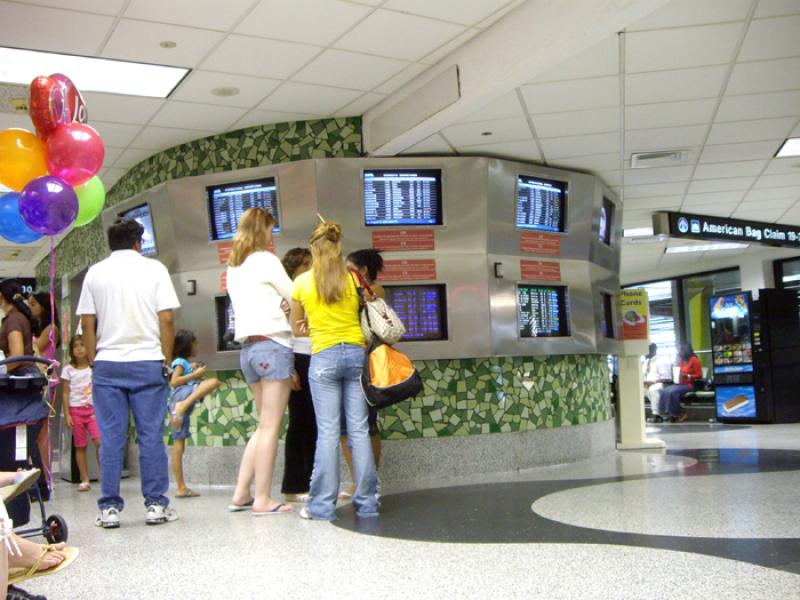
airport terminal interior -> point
(580, 206)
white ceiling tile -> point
(595, 164)
(601, 120)
(721, 185)
(198, 86)
(729, 169)
(681, 48)
(651, 203)
(311, 99)
(796, 131)
(681, 13)
(715, 210)
(770, 181)
(111, 176)
(111, 154)
(742, 151)
(408, 37)
(776, 8)
(432, 145)
(140, 41)
(598, 61)
(769, 203)
(654, 190)
(658, 175)
(792, 217)
(503, 130)
(449, 46)
(40, 28)
(360, 106)
(339, 68)
(103, 7)
(750, 131)
(669, 114)
(265, 117)
(583, 145)
(508, 8)
(700, 202)
(667, 138)
(119, 108)
(259, 57)
(610, 178)
(504, 107)
(781, 166)
(759, 106)
(132, 157)
(465, 12)
(160, 138)
(669, 86)
(308, 21)
(729, 197)
(522, 150)
(768, 194)
(406, 75)
(770, 215)
(188, 115)
(192, 13)
(772, 38)
(116, 134)
(581, 94)
(765, 76)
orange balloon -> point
(22, 158)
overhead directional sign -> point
(701, 227)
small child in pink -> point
(78, 408)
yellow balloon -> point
(22, 158)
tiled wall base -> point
(431, 459)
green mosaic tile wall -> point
(460, 397)
(242, 149)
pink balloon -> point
(74, 153)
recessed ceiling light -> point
(637, 232)
(225, 91)
(91, 74)
(485, 133)
(713, 247)
(168, 44)
(791, 147)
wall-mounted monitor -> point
(226, 323)
(227, 202)
(402, 197)
(607, 215)
(141, 214)
(541, 204)
(607, 325)
(423, 310)
(542, 311)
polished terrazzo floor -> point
(717, 517)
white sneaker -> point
(157, 514)
(108, 518)
(304, 514)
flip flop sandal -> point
(240, 507)
(27, 479)
(22, 574)
(275, 511)
(84, 487)
(188, 494)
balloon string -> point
(53, 368)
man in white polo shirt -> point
(126, 309)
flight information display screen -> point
(422, 309)
(227, 202)
(541, 203)
(404, 197)
(542, 311)
(606, 221)
(141, 214)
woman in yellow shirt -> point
(325, 305)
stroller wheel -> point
(57, 530)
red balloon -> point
(74, 153)
(55, 101)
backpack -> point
(388, 376)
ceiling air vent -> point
(664, 158)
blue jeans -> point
(140, 387)
(671, 398)
(335, 380)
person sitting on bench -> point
(690, 371)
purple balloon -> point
(48, 205)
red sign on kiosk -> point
(408, 270)
(223, 282)
(402, 240)
(540, 270)
(539, 243)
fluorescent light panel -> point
(91, 74)
(706, 247)
(637, 232)
(791, 147)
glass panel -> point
(664, 324)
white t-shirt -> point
(256, 288)
(302, 345)
(80, 385)
(126, 292)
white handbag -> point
(378, 319)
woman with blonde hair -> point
(325, 303)
(260, 289)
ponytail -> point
(330, 273)
(12, 293)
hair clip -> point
(321, 219)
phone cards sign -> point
(634, 310)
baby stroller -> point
(22, 409)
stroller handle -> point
(27, 359)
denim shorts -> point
(179, 394)
(266, 361)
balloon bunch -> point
(53, 174)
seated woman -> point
(690, 371)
